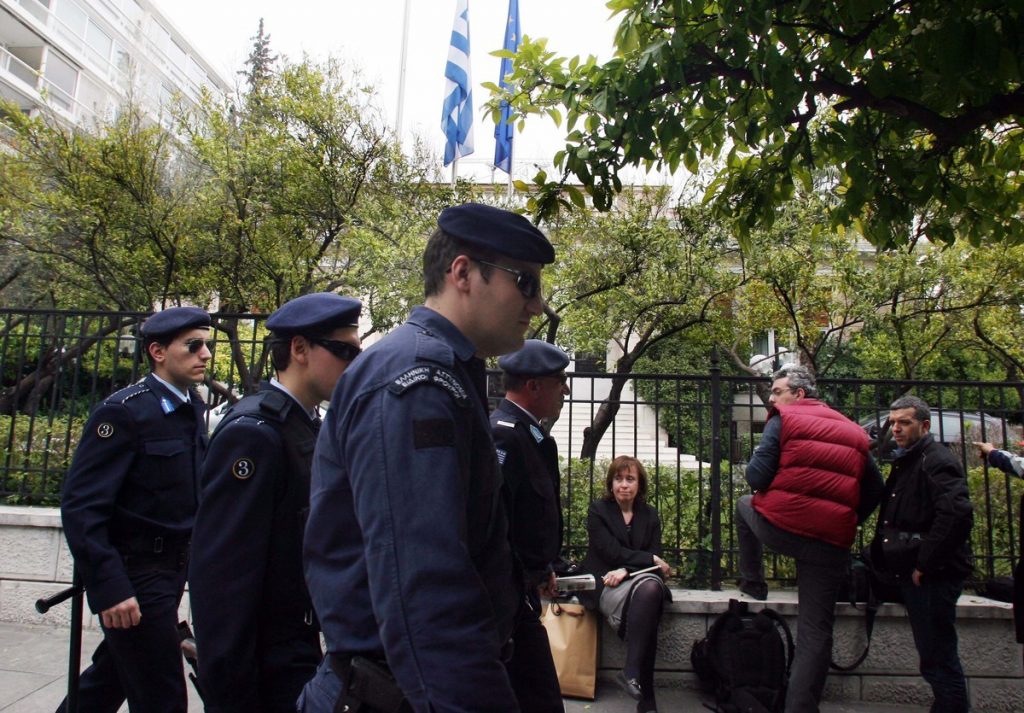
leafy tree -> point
(807, 283)
(928, 306)
(302, 191)
(259, 65)
(637, 276)
(109, 211)
(915, 107)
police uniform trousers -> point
(531, 669)
(142, 664)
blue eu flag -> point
(504, 130)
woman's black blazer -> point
(611, 546)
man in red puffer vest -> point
(813, 483)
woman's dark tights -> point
(642, 619)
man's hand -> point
(916, 577)
(122, 616)
(666, 570)
(984, 449)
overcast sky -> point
(369, 34)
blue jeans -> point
(931, 608)
(820, 569)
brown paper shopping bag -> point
(572, 631)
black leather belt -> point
(156, 545)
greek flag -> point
(457, 116)
(505, 129)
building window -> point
(61, 78)
(73, 19)
(99, 44)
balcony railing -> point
(43, 90)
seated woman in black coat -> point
(625, 536)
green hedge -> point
(37, 457)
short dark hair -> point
(514, 382)
(922, 412)
(620, 463)
(800, 377)
(441, 249)
(163, 340)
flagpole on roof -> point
(457, 110)
(401, 72)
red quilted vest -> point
(816, 489)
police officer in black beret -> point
(128, 506)
(535, 389)
(407, 553)
(257, 638)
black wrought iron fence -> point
(694, 433)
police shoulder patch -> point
(105, 430)
(136, 391)
(502, 455)
(434, 375)
(243, 468)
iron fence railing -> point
(694, 432)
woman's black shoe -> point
(630, 685)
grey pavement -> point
(34, 659)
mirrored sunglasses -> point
(195, 345)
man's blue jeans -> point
(931, 608)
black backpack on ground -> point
(744, 660)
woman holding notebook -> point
(624, 554)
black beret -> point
(499, 231)
(321, 311)
(535, 358)
(173, 320)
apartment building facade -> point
(81, 59)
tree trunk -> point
(607, 411)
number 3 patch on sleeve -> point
(243, 468)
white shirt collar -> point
(182, 395)
(532, 417)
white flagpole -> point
(401, 73)
(511, 164)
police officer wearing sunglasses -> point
(257, 637)
(535, 390)
(407, 553)
(128, 507)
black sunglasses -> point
(526, 282)
(194, 345)
(342, 350)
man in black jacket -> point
(257, 637)
(535, 389)
(128, 507)
(923, 542)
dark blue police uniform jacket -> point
(255, 631)
(529, 463)
(132, 485)
(406, 548)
